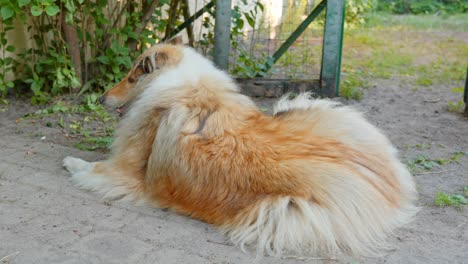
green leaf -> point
(36, 10)
(250, 20)
(10, 84)
(457, 90)
(70, 6)
(7, 12)
(22, 3)
(260, 5)
(103, 59)
(52, 10)
(240, 23)
(115, 69)
(458, 198)
(10, 48)
(132, 35)
(69, 18)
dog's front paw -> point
(75, 165)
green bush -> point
(357, 10)
(88, 46)
(422, 6)
(75, 43)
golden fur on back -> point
(314, 176)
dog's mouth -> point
(121, 110)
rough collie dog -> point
(313, 177)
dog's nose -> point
(102, 99)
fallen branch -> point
(309, 258)
(432, 100)
(433, 172)
(7, 256)
(219, 243)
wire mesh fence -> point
(264, 27)
(276, 23)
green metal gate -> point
(329, 80)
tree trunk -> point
(185, 8)
(71, 37)
(172, 18)
(147, 12)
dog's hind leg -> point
(104, 177)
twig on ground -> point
(433, 172)
(215, 242)
(432, 100)
(309, 258)
(7, 256)
(460, 225)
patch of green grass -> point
(456, 22)
(456, 200)
(89, 121)
(89, 106)
(424, 81)
(3, 105)
(419, 146)
(424, 50)
(376, 60)
(351, 92)
(352, 86)
(420, 49)
(93, 143)
(423, 163)
(458, 106)
(439, 72)
(365, 38)
(420, 163)
(454, 158)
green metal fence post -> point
(332, 47)
(465, 95)
(222, 34)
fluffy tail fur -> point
(355, 216)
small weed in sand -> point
(419, 146)
(420, 163)
(424, 163)
(89, 106)
(3, 105)
(454, 158)
(93, 143)
(89, 122)
(456, 200)
(457, 107)
(352, 86)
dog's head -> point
(152, 61)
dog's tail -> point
(361, 200)
(294, 225)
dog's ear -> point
(149, 64)
(153, 62)
(176, 40)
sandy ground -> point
(45, 219)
